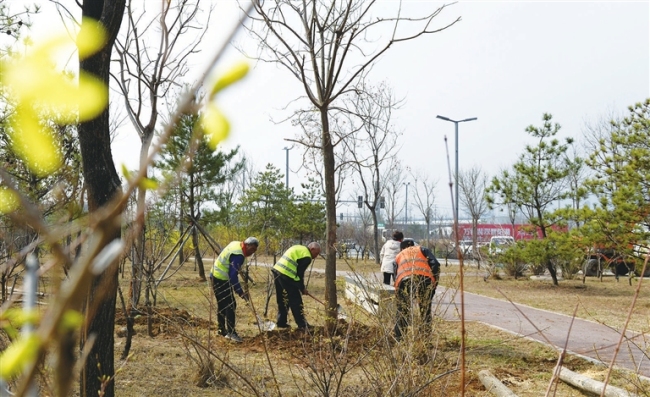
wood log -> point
(592, 385)
(494, 385)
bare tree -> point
(425, 198)
(512, 210)
(373, 147)
(309, 122)
(92, 282)
(326, 46)
(472, 184)
(241, 169)
(595, 132)
(362, 235)
(442, 236)
(153, 57)
(103, 185)
(393, 182)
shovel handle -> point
(316, 299)
(339, 309)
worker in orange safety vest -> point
(417, 272)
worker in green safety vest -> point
(225, 281)
(289, 275)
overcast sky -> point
(505, 63)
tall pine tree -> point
(200, 170)
(538, 179)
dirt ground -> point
(168, 323)
(183, 355)
(361, 359)
(523, 366)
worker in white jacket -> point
(387, 255)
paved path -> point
(588, 339)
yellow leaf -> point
(236, 73)
(76, 102)
(34, 80)
(215, 125)
(34, 143)
(91, 37)
(29, 79)
(71, 320)
(20, 317)
(8, 200)
(92, 97)
(11, 331)
(20, 353)
(125, 171)
(148, 184)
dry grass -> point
(185, 350)
(363, 356)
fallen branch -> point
(592, 385)
(494, 385)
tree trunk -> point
(137, 267)
(429, 236)
(549, 263)
(197, 254)
(591, 385)
(147, 304)
(376, 231)
(475, 253)
(195, 236)
(494, 385)
(181, 254)
(330, 208)
(103, 184)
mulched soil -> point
(353, 338)
(164, 321)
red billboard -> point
(485, 231)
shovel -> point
(339, 310)
(265, 326)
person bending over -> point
(225, 282)
(288, 277)
(417, 272)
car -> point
(467, 247)
(498, 244)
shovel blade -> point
(341, 315)
(265, 325)
(268, 326)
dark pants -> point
(288, 296)
(387, 277)
(226, 305)
(414, 287)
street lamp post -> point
(456, 172)
(287, 165)
(462, 295)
